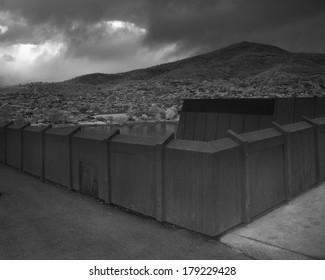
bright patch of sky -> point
(53, 40)
(3, 29)
(27, 54)
(123, 25)
(117, 43)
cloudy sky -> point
(54, 40)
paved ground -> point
(295, 230)
(43, 221)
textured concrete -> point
(295, 230)
(43, 221)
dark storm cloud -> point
(26, 34)
(210, 24)
(62, 12)
(193, 24)
(160, 30)
(73, 22)
(101, 40)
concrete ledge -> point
(295, 230)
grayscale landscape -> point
(242, 70)
(163, 130)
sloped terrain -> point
(155, 93)
(242, 61)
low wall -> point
(57, 157)
(14, 156)
(133, 173)
(201, 126)
(33, 150)
(202, 185)
(209, 119)
(89, 156)
(319, 146)
(302, 151)
(208, 187)
(3, 141)
(264, 162)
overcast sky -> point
(53, 40)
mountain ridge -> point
(240, 60)
(243, 70)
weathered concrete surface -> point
(295, 230)
(43, 221)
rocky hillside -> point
(241, 70)
(244, 61)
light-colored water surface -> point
(141, 129)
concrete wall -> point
(90, 169)
(33, 150)
(202, 185)
(208, 187)
(200, 126)
(133, 173)
(2, 142)
(57, 155)
(208, 120)
(14, 155)
(264, 164)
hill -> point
(240, 70)
(239, 61)
(6, 81)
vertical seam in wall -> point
(314, 106)
(194, 121)
(205, 124)
(216, 131)
(294, 110)
(243, 123)
(275, 113)
(259, 122)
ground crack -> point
(275, 246)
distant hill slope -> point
(4, 82)
(242, 61)
(242, 70)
